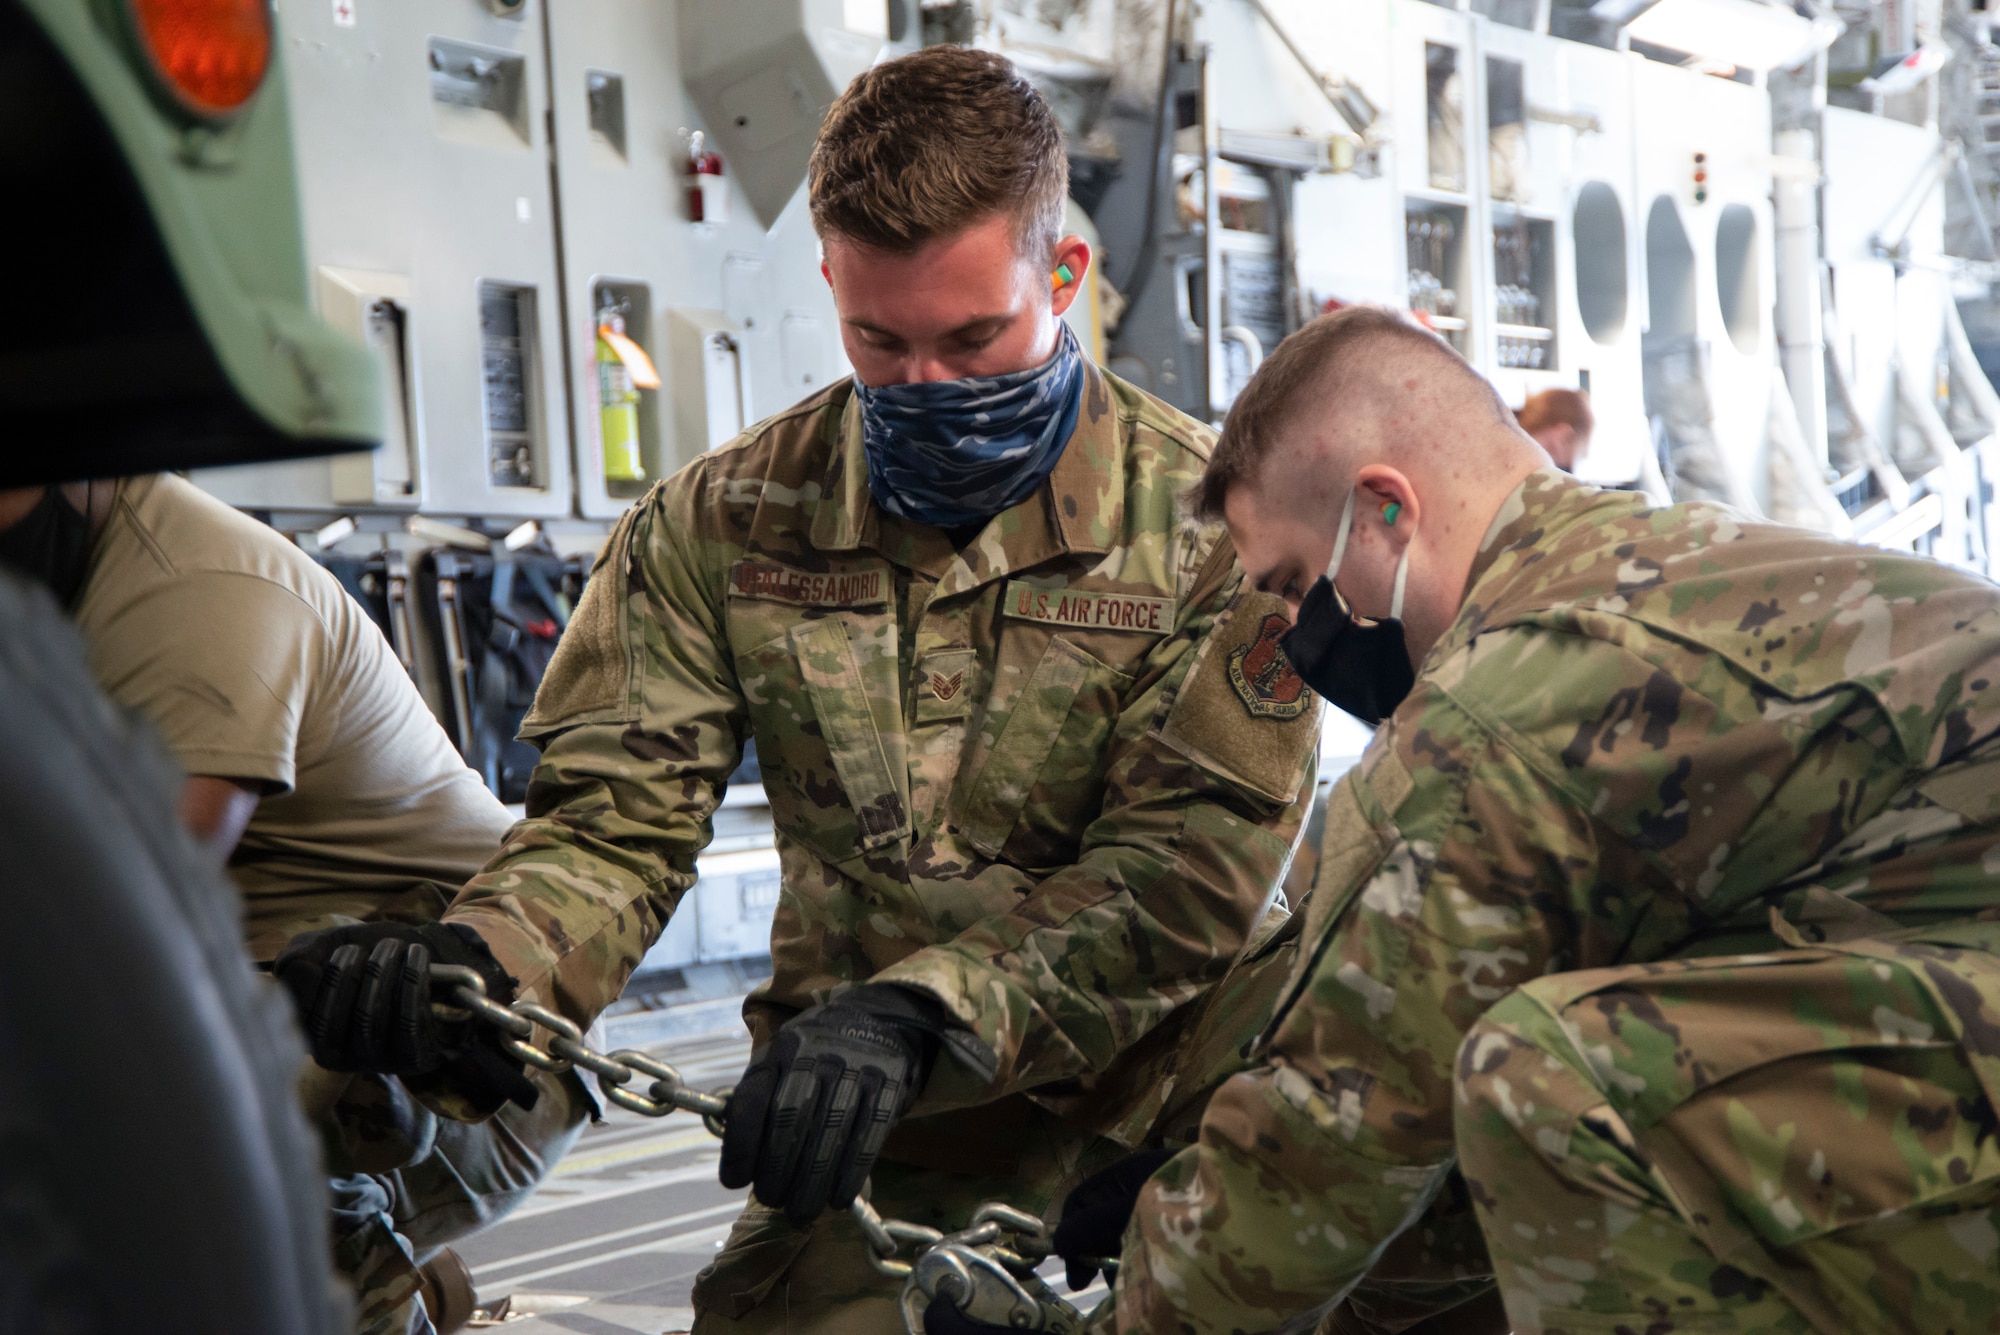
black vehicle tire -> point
(155, 1172)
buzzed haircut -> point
(1553, 407)
(929, 143)
(1297, 374)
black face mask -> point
(51, 544)
(1358, 666)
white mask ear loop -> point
(1402, 578)
(1340, 539)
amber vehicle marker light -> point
(210, 56)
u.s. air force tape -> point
(1084, 609)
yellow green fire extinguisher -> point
(623, 369)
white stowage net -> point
(1446, 119)
(1922, 441)
(1974, 412)
(1507, 162)
(1652, 478)
(1798, 477)
(1677, 393)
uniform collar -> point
(1079, 509)
(1519, 520)
(1547, 502)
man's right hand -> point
(364, 998)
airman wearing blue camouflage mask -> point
(1027, 813)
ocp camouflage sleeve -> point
(1443, 855)
(639, 724)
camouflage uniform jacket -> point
(1017, 776)
(1645, 731)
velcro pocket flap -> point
(591, 677)
(847, 724)
(1025, 742)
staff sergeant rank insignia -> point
(1263, 677)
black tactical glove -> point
(364, 998)
(1094, 1217)
(813, 1108)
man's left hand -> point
(1095, 1216)
(812, 1110)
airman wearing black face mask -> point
(1628, 911)
(50, 540)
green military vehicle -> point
(154, 1172)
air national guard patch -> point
(1263, 677)
(1242, 712)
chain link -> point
(982, 1264)
(999, 1247)
(666, 1091)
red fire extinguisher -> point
(708, 194)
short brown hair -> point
(1552, 407)
(929, 143)
(1306, 361)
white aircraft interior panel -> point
(644, 233)
(1691, 126)
(1602, 316)
(424, 127)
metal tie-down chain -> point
(980, 1267)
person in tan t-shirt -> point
(258, 669)
(317, 770)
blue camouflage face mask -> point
(953, 452)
